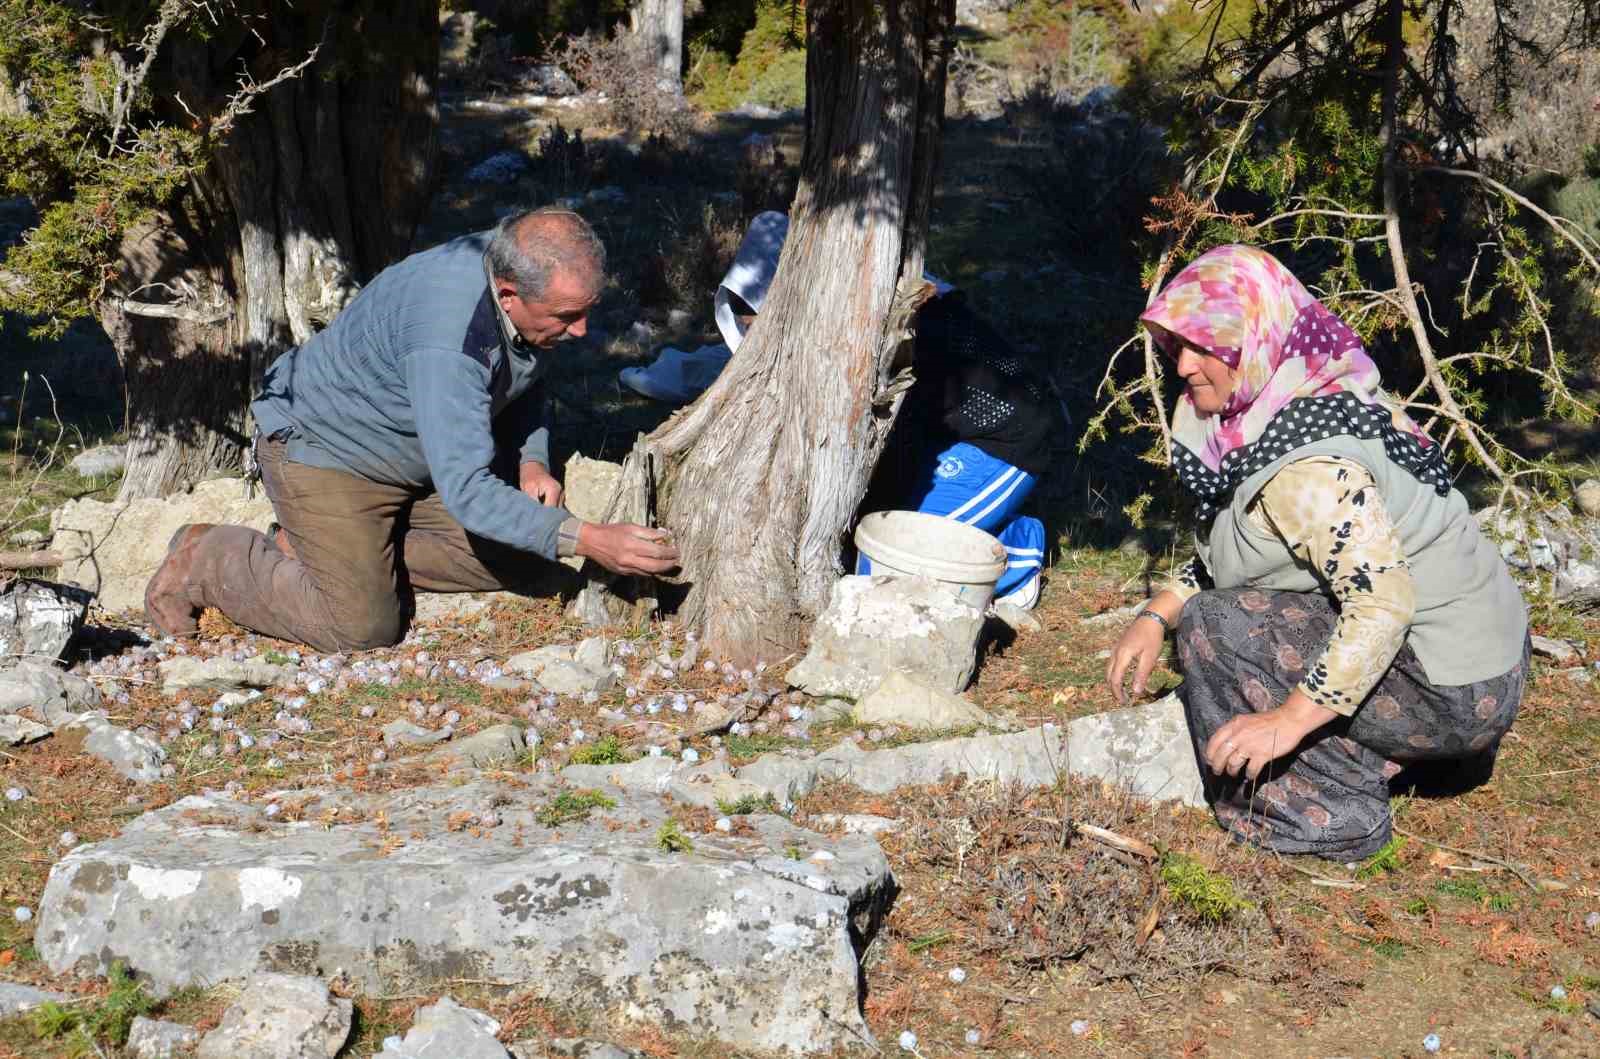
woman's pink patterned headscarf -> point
(1241, 305)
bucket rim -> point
(977, 573)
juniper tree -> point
(759, 480)
(214, 180)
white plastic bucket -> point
(964, 557)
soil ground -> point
(1462, 932)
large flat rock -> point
(1145, 748)
(113, 547)
(735, 940)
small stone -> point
(957, 975)
(1588, 497)
(908, 1041)
(1592, 920)
(1080, 1027)
(723, 824)
(1431, 1043)
(23, 913)
(974, 1038)
(691, 755)
(15, 794)
(68, 839)
(1558, 992)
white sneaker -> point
(1025, 596)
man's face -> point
(561, 314)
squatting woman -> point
(1343, 616)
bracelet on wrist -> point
(1152, 615)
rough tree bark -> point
(314, 192)
(660, 24)
(760, 479)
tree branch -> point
(1560, 225)
(126, 90)
(30, 560)
(1288, 40)
(243, 100)
(1394, 54)
(188, 313)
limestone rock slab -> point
(102, 459)
(155, 1039)
(588, 487)
(402, 732)
(697, 785)
(732, 940)
(1145, 747)
(898, 699)
(494, 747)
(221, 674)
(875, 626)
(280, 1016)
(50, 694)
(447, 1030)
(136, 757)
(561, 669)
(113, 547)
(1561, 651)
(38, 619)
(16, 998)
(14, 730)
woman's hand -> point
(1140, 647)
(1251, 741)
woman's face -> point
(1210, 381)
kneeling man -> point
(389, 442)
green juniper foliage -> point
(1384, 861)
(84, 1027)
(671, 839)
(1286, 147)
(1206, 893)
(570, 806)
(607, 750)
(91, 179)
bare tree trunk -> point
(311, 195)
(760, 479)
(660, 23)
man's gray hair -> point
(531, 246)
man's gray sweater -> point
(408, 387)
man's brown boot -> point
(167, 601)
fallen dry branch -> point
(30, 560)
(1515, 869)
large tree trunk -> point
(310, 195)
(660, 24)
(760, 479)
